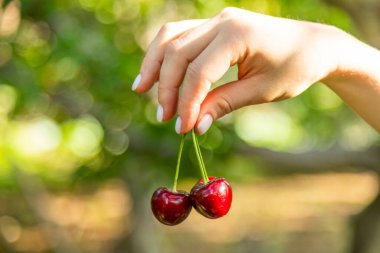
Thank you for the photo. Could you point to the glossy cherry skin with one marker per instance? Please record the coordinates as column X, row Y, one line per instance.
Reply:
column 212, row 200
column 170, row 208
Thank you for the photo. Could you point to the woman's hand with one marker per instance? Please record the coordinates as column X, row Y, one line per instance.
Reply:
column 277, row 58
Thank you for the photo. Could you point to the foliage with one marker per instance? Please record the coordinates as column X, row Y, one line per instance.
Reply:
column 67, row 109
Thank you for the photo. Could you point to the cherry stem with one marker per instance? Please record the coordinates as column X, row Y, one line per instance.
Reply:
column 199, row 157
column 178, row 163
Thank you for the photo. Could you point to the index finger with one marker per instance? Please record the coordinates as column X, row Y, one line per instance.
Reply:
column 151, row 65
column 206, row 69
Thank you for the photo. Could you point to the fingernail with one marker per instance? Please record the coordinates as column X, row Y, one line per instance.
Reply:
column 204, row 124
column 178, row 125
column 136, row 82
column 160, row 113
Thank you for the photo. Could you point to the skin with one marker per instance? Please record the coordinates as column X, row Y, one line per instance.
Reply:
column 277, row 58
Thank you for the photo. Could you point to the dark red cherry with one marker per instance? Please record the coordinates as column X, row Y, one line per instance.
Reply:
column 170, row 208
column 212, row 200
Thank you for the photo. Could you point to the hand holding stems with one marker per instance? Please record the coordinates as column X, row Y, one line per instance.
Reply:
column 277, row 58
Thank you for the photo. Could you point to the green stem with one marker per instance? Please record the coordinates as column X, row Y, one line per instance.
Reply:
column 199, row 157
column 178, row 163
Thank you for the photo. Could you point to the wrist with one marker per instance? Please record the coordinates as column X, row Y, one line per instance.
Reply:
column 354, row 62
column 356, row 78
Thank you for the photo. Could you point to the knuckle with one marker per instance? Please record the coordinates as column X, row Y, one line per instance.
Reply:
column 223, row 105
column 264, row 96
column 165, row 30
column 194, row 71
column 172, row 48
column 282, row 94
column 227, row 13
column 150, row 61
column 166, row 93
column 268, row 91
column 231, row 21
column 188, row 106
column 166, row 90
column 267, row 97
column 276, row 96
column 229, row 27
column 287, row 95
column 236, row 26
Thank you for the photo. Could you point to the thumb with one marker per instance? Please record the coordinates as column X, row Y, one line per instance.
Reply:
column 227, row 98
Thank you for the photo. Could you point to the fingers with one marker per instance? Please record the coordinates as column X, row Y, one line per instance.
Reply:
column 206, row 69
column 150, row 68
column 178, row 54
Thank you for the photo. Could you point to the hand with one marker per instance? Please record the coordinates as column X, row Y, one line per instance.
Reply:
column 277, row 58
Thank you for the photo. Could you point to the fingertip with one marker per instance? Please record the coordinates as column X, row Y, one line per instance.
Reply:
column 182, row 126
column 141, row 84
column 189, row 113
column 136, row 82
column 160, row 113
column 167, row 98
column 148, row 76
column 204, row 123
column 178, row 125
column 168, row 113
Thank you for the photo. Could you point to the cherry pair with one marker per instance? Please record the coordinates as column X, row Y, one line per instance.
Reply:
column 211, row 196
column 211, row 199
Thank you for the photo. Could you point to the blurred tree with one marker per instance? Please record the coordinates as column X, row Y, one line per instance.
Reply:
column 365, row 15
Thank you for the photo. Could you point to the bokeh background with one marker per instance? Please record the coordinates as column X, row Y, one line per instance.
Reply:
column 81, row 154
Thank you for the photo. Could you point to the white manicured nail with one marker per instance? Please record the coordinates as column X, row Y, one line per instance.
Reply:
column 178, row 125
column 204, row 124
column 136, row 82
column 160, row 113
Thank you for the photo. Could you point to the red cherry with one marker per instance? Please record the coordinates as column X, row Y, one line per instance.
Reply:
column 212, row 200
column 170, row 208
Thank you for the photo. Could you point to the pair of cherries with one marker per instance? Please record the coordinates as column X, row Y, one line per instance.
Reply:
column 212, row 200
column 211, row 196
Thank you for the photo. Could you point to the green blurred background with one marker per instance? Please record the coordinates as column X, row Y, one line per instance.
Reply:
column 81, row 154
